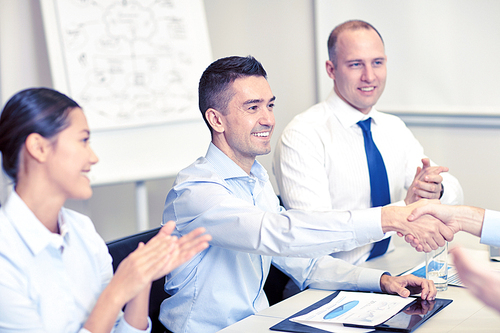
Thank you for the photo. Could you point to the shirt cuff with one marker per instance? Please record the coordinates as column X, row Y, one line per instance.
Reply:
column 367, row 225
column 490, row 233
column 369, row 279
column 400, row 203
column 123, row 326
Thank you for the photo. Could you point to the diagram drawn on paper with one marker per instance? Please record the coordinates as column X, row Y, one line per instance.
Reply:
column 133, row 63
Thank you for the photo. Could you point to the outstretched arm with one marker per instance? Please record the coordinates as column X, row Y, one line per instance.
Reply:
column 482, row 283
column 132, row 280
column 427, row 183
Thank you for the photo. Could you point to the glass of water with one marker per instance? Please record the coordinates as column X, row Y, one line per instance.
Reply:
column 436, row 267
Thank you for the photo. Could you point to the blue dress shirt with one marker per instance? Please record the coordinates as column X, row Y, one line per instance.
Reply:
column 224, row 283
column 50, row 282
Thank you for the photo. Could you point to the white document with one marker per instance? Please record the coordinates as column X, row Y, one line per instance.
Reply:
column 367, row 309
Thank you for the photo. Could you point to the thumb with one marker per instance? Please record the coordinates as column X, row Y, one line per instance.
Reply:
column 403, row 292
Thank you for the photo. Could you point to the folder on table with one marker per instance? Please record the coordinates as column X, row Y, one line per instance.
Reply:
column 406, row 322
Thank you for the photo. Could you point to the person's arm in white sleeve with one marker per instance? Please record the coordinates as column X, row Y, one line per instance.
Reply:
column 298, row 166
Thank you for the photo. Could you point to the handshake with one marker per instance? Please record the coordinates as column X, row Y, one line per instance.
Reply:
column 426, row 224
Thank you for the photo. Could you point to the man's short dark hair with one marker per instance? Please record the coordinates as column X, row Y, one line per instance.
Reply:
column 349, row 25
column 214, row 90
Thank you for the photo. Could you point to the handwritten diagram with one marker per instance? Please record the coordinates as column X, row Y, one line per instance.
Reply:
column 133, row 63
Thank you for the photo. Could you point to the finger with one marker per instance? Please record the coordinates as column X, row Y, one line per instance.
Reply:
column 192, row 235
column 191, row 244
column 424, row 194
column 427, row 186
column 398, row 288
column 434, row 178
column 446, row 232
column 418, row 247
column 435, row 170
column 418, row 212
column 409, row 238
column 428, row 289
column 196, row 244
column 168, row 227
column 432, row 291
column 426, row 162
column 418, row 171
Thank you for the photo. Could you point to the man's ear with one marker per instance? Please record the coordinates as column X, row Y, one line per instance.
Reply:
column 330, row 69
column 37, row 146
column 214, row 118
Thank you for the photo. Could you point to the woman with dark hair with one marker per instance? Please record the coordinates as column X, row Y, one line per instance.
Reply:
column 56, row 273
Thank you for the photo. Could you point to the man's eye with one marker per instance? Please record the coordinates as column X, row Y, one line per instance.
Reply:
column 271, row 105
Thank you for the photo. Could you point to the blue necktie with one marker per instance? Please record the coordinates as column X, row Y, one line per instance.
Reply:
column 379, row 183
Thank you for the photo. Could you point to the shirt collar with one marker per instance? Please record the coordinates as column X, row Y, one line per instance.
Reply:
column 227, row 168
column 346, row 114
column 35, row 235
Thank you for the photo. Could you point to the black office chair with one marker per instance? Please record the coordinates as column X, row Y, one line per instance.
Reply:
column 119, row 250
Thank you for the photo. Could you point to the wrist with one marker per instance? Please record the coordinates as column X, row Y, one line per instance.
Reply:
column 471, row 220
column 390, row 219
column 384, row 280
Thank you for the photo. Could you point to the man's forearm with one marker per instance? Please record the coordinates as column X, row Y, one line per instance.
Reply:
column 470, row 219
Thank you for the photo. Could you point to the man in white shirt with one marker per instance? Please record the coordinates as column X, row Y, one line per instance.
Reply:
column 320, row 162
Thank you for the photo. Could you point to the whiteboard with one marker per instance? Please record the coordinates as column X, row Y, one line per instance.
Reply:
column 442, row 55
column 134, row 67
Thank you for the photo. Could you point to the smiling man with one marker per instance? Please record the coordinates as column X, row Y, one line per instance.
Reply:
column 344, row 154
column 229, row 193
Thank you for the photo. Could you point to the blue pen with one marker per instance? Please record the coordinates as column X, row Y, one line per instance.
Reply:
column 341, row 309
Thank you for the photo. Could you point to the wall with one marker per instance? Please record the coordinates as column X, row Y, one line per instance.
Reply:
column 280, row 33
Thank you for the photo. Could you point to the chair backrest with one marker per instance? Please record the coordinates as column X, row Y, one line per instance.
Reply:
column 119, row 250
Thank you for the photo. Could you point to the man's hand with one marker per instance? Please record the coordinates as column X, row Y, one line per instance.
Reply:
column 481, row 282
column 407, row 285
column 427, row 183
column 427, row 233
column 457, row 218
column 445, row 213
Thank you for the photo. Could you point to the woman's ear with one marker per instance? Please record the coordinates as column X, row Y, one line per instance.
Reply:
column 214, row 118
column 37, row 146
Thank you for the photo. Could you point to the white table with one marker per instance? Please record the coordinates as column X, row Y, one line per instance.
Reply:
column 464, row 315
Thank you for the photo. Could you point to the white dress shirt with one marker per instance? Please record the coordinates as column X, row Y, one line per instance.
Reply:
column 50, row 282
column 224, row 283
column 320, row 162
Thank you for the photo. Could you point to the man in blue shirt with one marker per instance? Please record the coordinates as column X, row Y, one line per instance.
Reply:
column 229, row 193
